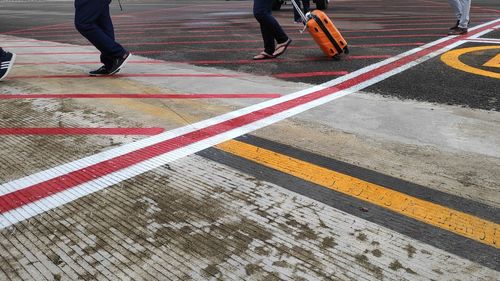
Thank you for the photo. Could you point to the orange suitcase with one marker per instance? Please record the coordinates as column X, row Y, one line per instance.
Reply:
column 324, row 32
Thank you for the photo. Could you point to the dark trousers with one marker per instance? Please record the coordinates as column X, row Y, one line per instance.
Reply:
column 306, row 4
column 270, row 28
column 93, row 21
column 2, row 52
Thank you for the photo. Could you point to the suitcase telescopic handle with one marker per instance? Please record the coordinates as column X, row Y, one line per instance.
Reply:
column 299, row 10
column 304, row 18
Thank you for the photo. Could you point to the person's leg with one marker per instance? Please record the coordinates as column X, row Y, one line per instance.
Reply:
column 464, row 14
column 105, row 23
column 270, row 28
column 262, row 14
column 87, row 15
column 296, row 15
column 456, row 8
column 306, row 4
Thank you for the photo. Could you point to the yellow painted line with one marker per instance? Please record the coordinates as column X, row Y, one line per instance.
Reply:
column 494, row 62
column 445, row 218
column 452, row 58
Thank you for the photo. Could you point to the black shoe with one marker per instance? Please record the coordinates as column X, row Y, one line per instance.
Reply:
column 119, row 63
column 456, row 25
column 6, row 63
column 458, row 31
column 101, row 71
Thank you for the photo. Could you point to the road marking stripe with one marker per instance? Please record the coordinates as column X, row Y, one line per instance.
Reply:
column 81, row 131
column 73, row 180
column 141, row 96
column 148, row 75
column 311, row 47
column 455, row 221
column 484, row 40
column 310, row 74
column 192, row 62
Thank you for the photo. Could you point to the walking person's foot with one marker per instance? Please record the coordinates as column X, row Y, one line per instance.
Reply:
column 119, row 63
column 281, row 48
column 6, row 63
column 458, row 31
column 101, row 71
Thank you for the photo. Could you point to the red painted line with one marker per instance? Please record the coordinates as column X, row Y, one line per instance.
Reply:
column 214, row 62
column 33, row 28
column 60, row 53
column 397, row 36
column 152, row 75
column 36, row 192
column 260, row 40
column 310, row 74
column 81, row 131
column 284, row 60
column 222, row 50
column 122, row 34
column 240, row 41
column 428, row 23
column 141, row 96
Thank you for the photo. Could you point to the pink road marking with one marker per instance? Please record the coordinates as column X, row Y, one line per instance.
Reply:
column 58, row 184
column 310, row 74
column 181, row 62
column 141, row 96
column 240, row 41
column 81, row 131
column 224, row 50
column 122, row 34
column 151, row 75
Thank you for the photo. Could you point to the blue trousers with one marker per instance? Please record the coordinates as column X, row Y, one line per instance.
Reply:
column 306, row 4
column 93, row 21
column 269, row 27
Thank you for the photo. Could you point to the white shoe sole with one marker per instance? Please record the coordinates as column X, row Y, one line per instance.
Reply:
column 12, row 60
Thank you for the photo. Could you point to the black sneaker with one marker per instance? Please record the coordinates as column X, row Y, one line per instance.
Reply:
column 119, row 63
column 100, row 71
column 6, row 63
column 458, row 31
column 456, row 25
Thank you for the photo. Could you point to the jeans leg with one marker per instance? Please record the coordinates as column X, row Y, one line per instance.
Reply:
column 91, row 19
column 296, row 15
column 270, row 28
column 464, row 13
column 306, row 4
column 105, row 23
column 455, row 7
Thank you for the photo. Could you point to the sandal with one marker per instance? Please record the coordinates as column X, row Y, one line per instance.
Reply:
column 263, row 56
column 281, row 48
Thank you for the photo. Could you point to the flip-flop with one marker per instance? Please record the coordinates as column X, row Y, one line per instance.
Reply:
column 281, row 48
column 263, row 56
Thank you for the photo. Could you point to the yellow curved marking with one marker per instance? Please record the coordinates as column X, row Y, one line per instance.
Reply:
column 452, row 58
column 494, row 62
column 466, row 225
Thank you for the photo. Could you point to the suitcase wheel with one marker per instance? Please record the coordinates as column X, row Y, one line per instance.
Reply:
column 346, row 50
column 336, row 57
